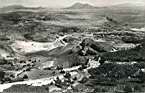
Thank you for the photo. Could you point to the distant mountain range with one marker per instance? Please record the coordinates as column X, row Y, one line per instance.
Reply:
column 80, row 6
column 129, row 6
column 124, row 5
column 17, row 7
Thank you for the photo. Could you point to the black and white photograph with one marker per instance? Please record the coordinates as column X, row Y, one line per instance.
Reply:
column 72, row 46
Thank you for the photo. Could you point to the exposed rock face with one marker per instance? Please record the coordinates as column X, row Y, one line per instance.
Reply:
column 78, row 54
column 6, row 50
column 96, row 46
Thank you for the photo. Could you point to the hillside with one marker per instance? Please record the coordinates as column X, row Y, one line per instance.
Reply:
column 134, row 54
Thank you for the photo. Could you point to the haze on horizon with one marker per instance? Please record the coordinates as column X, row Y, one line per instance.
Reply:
column 65, row 3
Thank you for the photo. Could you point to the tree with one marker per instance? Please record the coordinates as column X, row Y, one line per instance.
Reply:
column 25, row 76
column 67, row 75
column 2, row 74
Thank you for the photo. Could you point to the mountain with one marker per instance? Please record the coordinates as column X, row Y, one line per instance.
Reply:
column 17, row 7
column 129, row 6
column 81, row 6
column 12, row 8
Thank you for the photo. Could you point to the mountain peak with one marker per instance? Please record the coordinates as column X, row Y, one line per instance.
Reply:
column 82, row 6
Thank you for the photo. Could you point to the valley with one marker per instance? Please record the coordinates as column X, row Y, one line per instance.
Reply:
column 80, row 49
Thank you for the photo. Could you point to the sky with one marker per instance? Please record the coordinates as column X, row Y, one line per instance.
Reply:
column 65, row 3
